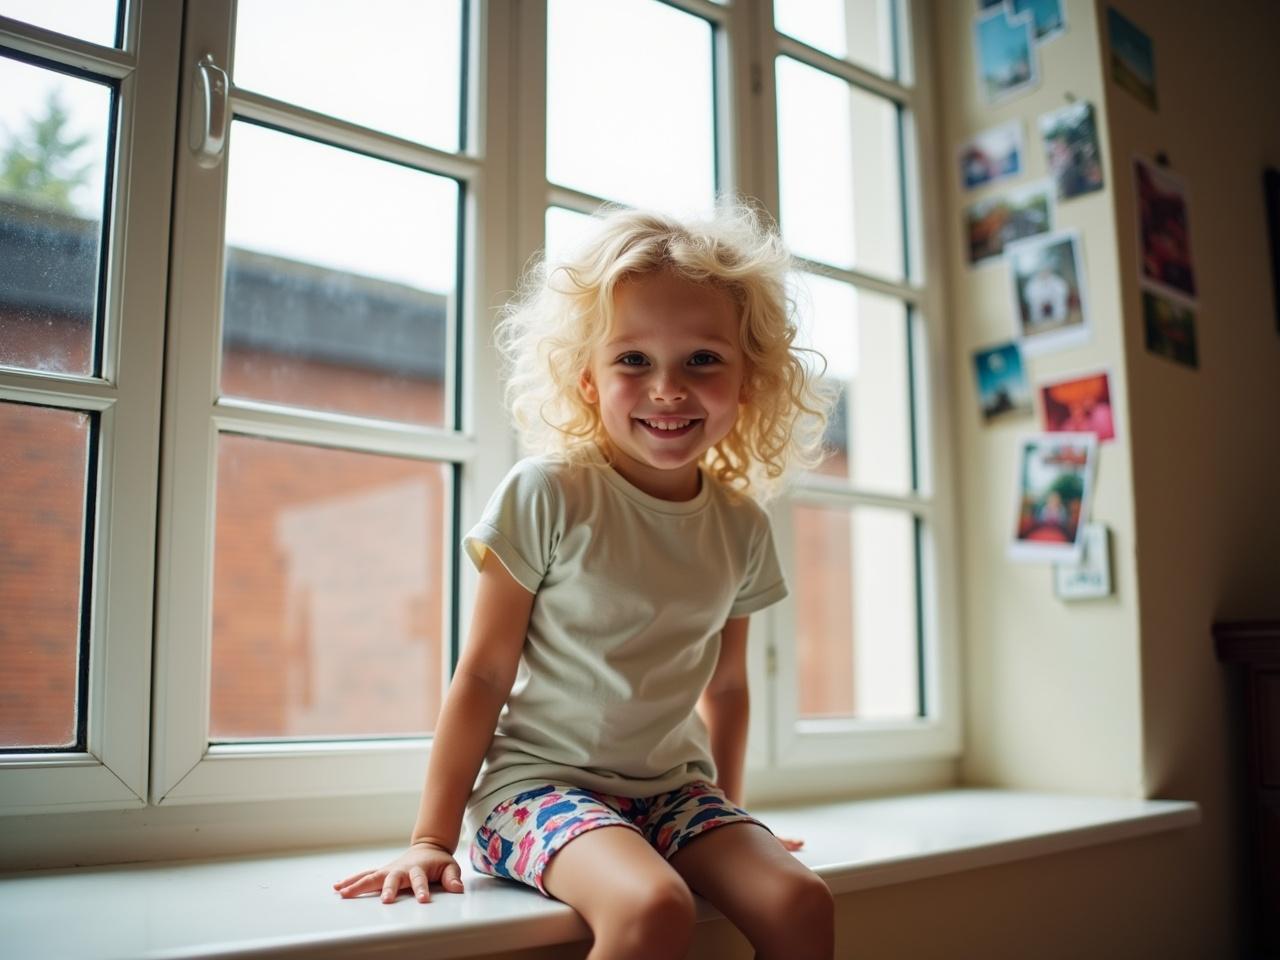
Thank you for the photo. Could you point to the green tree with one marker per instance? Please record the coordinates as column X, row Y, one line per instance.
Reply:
column 39, row 165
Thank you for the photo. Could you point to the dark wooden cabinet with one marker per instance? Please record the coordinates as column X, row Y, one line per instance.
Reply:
column 1254, row 646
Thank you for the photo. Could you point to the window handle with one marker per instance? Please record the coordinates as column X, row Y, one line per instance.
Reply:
column 208, row 132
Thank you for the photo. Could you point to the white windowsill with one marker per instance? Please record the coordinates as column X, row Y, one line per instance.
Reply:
column 284, row 906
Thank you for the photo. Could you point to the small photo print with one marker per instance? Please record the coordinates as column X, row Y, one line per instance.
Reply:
column 1133, row 60
column 992, row 224
column 1071, row 147
column 992, row 155
column 1003, row 388
column 1006, row 54
column 1164, row 230
column 1170, row 328
column 1080, row 405
column 1048, row 292
column 1047, row 17
column 1090, row 579
column 1055, row 481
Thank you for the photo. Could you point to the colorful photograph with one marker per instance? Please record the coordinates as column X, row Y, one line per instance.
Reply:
column 1133, row 59
column 1079, row 405
column 1071, row 148
column 1048, row 292
column 993, row 224
column 1003, row 388
column 1090, row 579
column 992, row 155
column 1170, row 328
column 1164, row 229
column 1047, row 17
column 1055, row 481
column 1005, row 53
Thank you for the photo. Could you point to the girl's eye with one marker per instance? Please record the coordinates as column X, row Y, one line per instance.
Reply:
column 703, row 359
column 632, row 359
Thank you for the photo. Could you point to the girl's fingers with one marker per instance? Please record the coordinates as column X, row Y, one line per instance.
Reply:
column 792, row 845
column 352, row 879
column 369, row 881
column 391, row 888
column 451, row 878
column 418, row 880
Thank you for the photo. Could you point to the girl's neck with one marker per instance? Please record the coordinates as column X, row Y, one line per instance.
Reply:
column 675, row 485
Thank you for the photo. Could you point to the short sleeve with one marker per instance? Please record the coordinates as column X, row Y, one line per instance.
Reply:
column 521, row 525
column 763, row 584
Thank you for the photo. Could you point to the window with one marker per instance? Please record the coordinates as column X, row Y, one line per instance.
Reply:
column 349, row 208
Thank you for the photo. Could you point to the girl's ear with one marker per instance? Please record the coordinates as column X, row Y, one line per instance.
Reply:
column 587, row 387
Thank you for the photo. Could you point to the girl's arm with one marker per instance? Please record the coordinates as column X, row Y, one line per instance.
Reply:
column 480, row 686
column 725, row 707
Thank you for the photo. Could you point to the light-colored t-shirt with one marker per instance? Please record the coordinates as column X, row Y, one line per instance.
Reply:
column 631, row 593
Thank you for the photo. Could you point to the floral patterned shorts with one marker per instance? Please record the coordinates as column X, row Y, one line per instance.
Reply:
column 523, row 833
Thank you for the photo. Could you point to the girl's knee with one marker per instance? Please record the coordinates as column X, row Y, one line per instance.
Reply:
column 657, row 920
column 804, row 902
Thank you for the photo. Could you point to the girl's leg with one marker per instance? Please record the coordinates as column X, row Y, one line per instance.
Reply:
column 782, row 906
column 635, row 904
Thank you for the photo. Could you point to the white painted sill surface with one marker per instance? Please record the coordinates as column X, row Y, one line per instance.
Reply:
column 283, row 906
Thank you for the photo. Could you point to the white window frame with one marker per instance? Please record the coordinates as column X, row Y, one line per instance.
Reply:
column 111, row 773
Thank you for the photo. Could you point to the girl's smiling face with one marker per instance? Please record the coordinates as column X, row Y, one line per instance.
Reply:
column 667, row 381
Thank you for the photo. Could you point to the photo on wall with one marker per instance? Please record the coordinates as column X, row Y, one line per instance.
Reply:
column 1054, row 493
column 1079, row 405
column 993, row 223
column 1048, row 18
column 1047, row 284
column 1164, row 229
column 1005, row 53
column 992, row 155
column 1003, row 388
column 1133, row 59
column 1170, row 327
column 1071, row 149
column 1090, row 578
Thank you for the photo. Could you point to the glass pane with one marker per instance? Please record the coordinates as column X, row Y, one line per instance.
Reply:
column 340, row 279
column 863, row 336
column 44, row 462
column 394, row 65
column 855, row 606
column 327, row 592
column 860, row 31
column 53, row 163
column 629, row 103
column 564, row 229
column 838, row 172
column 92, row 20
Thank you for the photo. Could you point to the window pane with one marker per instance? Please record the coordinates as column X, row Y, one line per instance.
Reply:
column 860, row 31
column 398, row 69
column 340, row 279
column 53, row 162
column 629, row 103
column 92, row 20
column 839, row 178
column 564, row 229
column 863, row 336
column 855, row 605
column 327, row 593
column 44, row 462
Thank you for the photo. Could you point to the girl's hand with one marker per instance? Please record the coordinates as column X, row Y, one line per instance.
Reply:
column 792, row 845
column 415, row 869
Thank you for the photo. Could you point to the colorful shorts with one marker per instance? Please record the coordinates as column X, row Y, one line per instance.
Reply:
column 522, row 834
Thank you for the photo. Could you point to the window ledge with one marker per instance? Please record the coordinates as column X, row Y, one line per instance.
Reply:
column 284, row 906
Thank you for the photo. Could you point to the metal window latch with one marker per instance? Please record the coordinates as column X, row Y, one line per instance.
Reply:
column 207, row 134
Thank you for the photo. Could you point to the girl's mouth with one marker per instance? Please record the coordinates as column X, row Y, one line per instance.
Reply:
column 668, row 427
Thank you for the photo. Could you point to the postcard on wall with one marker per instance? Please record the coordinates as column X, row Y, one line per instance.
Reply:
column 1055, row 491
column 1090, row 579
column 1164, row 229
column 1071, row 148
column 1048, row 292
column 1133, row 59
column 1048, row 19
column 1170, row 327
column 992, row 155
column 1006, row 54
column 997, row 221
column 1079, row 405
column 1003, row 388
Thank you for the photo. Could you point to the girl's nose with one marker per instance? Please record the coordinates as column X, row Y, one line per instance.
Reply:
column 667, row 389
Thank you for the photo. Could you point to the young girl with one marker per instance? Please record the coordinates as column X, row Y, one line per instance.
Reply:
column 655, row 371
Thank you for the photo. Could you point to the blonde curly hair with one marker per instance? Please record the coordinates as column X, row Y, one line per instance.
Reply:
column 564, row 310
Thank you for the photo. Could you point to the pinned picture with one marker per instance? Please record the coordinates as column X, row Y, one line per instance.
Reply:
column 1164, row 231
column 1006, row 56
column 1170, row 326
column 1048, row 292
column 1079, row 405
column 1055, row 489
column 992, row 155
column 1047, row 17
column 1003, row 389
column 1090, row 579
column 993, row 223
column 1133, row 60
column 1071, row 148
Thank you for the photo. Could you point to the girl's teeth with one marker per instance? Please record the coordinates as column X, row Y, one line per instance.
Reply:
column 670, row 425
